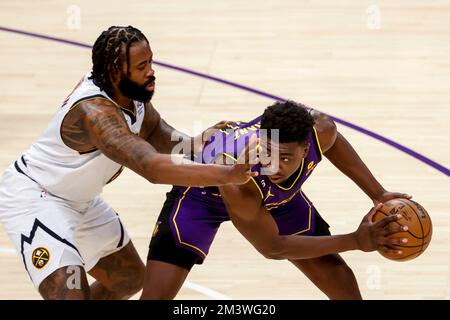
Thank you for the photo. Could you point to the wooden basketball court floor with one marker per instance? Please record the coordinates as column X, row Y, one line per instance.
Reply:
column 381, row 65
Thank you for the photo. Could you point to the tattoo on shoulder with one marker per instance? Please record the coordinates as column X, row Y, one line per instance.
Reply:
column 99, row 124
column 81, row 124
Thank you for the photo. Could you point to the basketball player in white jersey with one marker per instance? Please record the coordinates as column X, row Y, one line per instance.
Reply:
column 49, row 197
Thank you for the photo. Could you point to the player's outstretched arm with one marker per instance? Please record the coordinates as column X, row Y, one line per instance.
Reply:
column 344, row 157
column 260, row 229
column 106, row 128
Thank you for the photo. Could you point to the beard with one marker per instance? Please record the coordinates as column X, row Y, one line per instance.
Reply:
column 135, row 91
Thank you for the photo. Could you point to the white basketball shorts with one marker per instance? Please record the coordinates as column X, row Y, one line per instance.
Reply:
column 49, row 232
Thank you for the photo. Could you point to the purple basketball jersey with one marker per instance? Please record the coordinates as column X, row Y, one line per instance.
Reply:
column 233, row 140
column 198, row 212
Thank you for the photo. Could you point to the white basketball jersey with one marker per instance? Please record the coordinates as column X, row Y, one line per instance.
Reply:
column 64, row 171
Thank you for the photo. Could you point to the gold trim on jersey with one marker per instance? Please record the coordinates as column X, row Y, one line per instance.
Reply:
column 310, row 215
column 274, row 205
column 232, row 127
column 176, row 226
column 277, row 204
column 296, row 179
column 318, row 142
column 251, row 178
column 229, row 156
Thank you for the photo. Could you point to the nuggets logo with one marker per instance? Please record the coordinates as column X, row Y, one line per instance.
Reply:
column 40, row 257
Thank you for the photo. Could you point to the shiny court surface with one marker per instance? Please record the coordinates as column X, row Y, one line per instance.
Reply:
column 381, row 66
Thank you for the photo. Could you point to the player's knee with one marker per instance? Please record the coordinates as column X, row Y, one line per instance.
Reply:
column 350, row 290
column 344, row 274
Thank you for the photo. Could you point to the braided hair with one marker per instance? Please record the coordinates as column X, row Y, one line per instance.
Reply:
column 107, row 54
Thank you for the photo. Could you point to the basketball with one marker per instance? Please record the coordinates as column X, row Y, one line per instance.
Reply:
column 419, row 232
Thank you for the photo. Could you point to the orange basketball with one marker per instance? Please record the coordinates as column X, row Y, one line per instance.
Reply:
column 419, row 232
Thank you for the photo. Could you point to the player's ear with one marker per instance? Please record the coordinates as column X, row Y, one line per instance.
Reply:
column 114, row 70
column 114, row 74
column 306, row 149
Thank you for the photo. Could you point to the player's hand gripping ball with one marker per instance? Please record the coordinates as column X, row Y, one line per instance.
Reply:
column 419, row 232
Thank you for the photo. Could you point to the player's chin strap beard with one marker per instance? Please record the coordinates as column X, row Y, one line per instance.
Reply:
column 134, row 91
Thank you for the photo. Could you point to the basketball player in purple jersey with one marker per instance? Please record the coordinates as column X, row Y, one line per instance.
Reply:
column 271, row 211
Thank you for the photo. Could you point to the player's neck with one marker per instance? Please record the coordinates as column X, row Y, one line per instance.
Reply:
column 123, row 101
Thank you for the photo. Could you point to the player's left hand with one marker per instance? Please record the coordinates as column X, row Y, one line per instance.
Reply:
column 386, row 196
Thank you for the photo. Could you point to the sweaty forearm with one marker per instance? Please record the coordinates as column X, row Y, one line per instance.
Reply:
column 345, row 158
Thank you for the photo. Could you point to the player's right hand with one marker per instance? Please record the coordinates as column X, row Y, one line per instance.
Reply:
column 241, row 171
column 373, row 236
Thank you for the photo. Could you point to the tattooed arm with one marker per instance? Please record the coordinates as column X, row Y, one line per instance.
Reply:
column 98, row 123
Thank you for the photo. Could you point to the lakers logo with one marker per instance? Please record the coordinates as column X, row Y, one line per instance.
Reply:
column 40, row 257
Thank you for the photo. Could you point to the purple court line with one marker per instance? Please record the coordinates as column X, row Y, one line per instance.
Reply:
column 372, row 134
